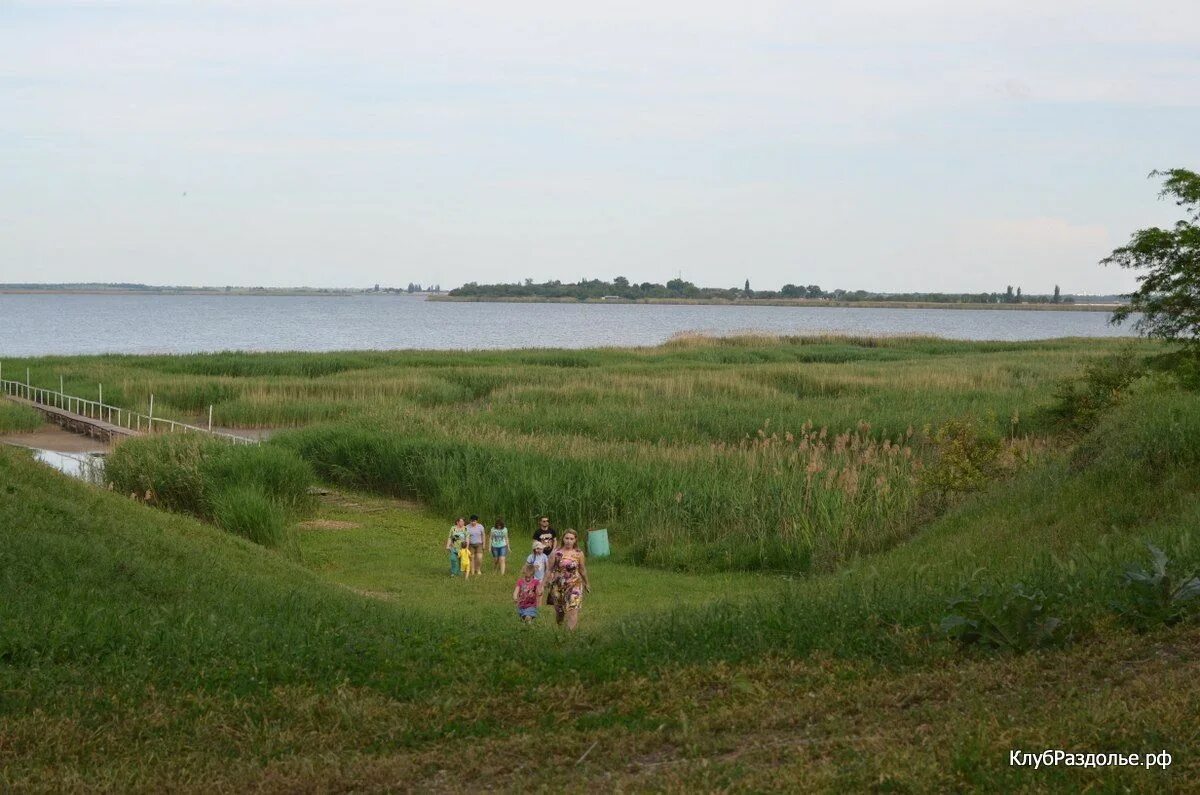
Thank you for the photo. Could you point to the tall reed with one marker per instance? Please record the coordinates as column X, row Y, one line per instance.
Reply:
column 791, row 501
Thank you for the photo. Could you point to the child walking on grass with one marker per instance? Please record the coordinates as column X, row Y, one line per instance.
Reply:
column 464, row 559
column 527, row 594
column 539, row 561
column 458, row 533
column 499, row 547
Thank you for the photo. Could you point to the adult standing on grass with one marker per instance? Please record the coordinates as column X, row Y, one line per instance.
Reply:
column 499, row 546
column 546, row 535
column 458, row 534
column 475, row 535
column 568, row 580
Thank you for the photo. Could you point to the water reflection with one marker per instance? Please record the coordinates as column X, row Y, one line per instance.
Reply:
column 35, row 325
column 88, row 467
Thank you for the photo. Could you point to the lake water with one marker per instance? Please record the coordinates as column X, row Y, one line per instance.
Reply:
column 88, row 467
column 36, row 325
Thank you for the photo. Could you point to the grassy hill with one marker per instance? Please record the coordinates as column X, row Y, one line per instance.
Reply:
column 141, row 650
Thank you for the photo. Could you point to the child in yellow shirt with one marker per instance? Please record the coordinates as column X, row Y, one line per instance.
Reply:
column 464, row 560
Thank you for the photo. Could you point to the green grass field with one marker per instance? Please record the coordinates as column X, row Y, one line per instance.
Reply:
column 143, row 650
column 394, row 551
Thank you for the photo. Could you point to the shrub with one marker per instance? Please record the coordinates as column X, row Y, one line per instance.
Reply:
column 1078, row 403
column 248, row 512
column 1014, row 619
column 1157, row 597
column 964, row 460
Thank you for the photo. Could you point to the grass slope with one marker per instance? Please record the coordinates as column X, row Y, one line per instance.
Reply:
column 145, row 651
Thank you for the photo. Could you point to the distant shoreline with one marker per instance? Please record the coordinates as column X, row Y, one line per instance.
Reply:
column 293, row 293
column 817, row 303
column 794, row 302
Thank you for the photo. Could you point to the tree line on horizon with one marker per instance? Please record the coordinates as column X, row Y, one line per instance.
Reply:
column 622, row 288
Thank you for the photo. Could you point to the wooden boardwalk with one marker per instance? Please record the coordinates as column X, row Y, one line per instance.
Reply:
column 77, row 423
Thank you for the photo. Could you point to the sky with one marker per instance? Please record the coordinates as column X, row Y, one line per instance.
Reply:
column 932, row 145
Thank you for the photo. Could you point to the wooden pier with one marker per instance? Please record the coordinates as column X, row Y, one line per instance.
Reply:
column 99, row 420
column 77, row 423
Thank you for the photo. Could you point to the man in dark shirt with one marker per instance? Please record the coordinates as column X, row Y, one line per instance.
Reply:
column 546, row 534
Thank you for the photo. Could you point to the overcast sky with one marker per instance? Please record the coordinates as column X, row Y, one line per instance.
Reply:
column 944, row 146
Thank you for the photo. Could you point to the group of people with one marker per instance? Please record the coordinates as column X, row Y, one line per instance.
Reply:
column 554, row 573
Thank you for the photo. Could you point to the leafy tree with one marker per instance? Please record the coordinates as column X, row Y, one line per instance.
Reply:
column 1167, row 301
column 1008, row 295
column 1057, row 299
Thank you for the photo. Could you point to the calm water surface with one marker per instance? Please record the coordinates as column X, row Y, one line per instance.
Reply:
column 36, row 325
column 88, row 467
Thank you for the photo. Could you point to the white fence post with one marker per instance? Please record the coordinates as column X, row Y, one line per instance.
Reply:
column 96, row 409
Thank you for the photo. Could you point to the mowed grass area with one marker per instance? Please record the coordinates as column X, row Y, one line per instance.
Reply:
column 745, row 453
column 146, row 651
column 395, row 551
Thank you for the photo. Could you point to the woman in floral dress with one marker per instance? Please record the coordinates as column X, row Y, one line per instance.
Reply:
column 568, row 580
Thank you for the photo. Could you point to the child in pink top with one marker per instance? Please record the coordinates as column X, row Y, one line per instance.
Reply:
column 527, row 594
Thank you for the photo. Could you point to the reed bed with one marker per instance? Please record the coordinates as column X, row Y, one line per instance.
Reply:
column 251, row 491
column 15, row 418
column 699, row 453
column 780, row 501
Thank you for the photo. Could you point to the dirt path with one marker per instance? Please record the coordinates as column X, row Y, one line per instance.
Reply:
column 52, row 437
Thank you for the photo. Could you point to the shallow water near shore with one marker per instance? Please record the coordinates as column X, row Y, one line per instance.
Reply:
column 46, row 324
column 88, row 467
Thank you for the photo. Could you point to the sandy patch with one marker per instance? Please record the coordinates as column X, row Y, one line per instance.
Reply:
column 328, row 524
column 52, row 437
column 260, row 434
column 346, row 502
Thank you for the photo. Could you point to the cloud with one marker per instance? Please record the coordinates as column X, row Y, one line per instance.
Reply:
column 732, row 128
